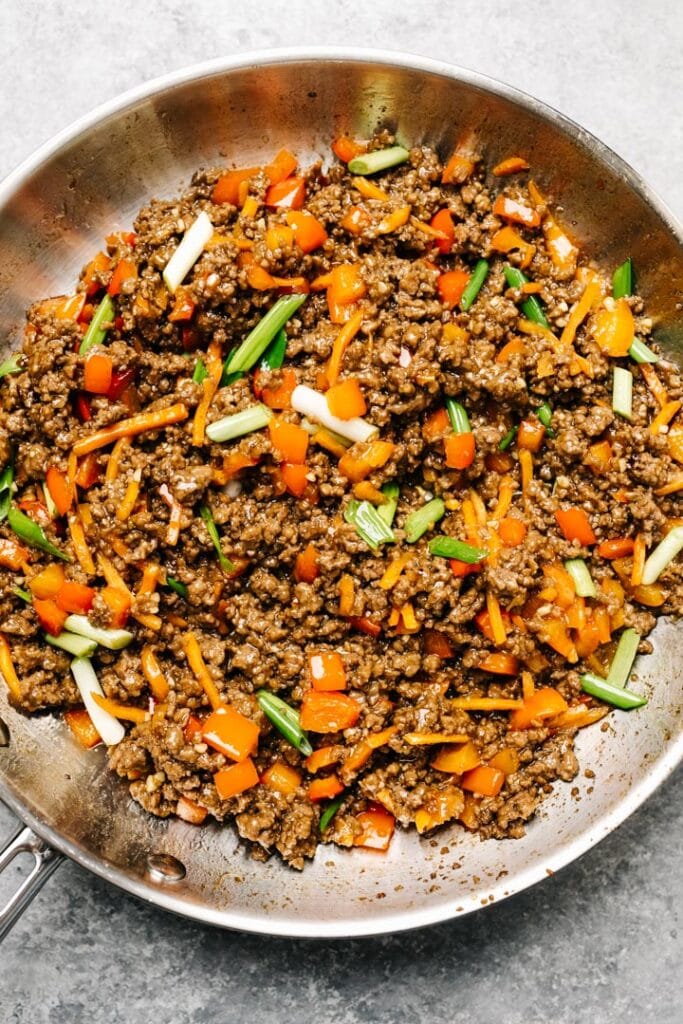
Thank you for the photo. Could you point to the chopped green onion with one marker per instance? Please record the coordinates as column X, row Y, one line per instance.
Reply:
column 274, row 356
column 6, row 484
column 10, row 366
column 622, row 392
column 179, row 588
column 330, row 811
column 531, row 307
column 615, row 695
column 212, row 530
column 583, row 582
column 479, row 275
column 313, row 428
column 258, row 339
column 506, row 441
column 422, row 519
column 663, row 554
column 449, row 547
column 458, row 417
column 369, row 525
column 622, row 280
column 52, row 509
column 200, row 371
column 641, row 353
column 545, row 415
column 32, row 534
column 229, row 378
column 379, row 160
column 285, row 719
column 624, row 656
column 109, row 728
column 113, row 639
column 387, row 510
column 240, row 423
column 95, row 333
column 188, row 252
column 23, row 594
column 313, row 404
column 79, row 646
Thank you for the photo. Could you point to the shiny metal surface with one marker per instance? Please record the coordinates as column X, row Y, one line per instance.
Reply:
column 54, row 211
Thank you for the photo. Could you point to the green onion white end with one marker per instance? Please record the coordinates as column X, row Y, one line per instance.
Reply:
column 313, row 404
column 188, row 252
column 583, row 583
column 79, row 646
column 622, row 393
column 113, row 639
column 109, row 728
column 663, row 554
column 378, row 160
column 240, row 423
column 624, row 656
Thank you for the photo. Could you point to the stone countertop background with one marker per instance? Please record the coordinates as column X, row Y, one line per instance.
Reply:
column 599, row 941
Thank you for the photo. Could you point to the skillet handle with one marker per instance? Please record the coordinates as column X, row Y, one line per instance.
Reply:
column 45, row 861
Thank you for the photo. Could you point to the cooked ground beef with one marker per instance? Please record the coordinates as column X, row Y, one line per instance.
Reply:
column 417, row 651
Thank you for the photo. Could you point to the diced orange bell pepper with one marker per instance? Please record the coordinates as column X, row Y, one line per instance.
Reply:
column 51, row 617
column 282, row 778
column 459, row 450
column 124, row 271
column 193, row 729
column 616, row 547
column 556, row 636
column 236, row 779
column 230, row 733
column 324, row 789
column 457, row 759
column 562, row 250
column 345, row 400
column 359, row 461
column 451, row 285
column 563, row 584
column 443, row 222
column 507, row 239
column 309, row 234
column 295, row 478
column 512, row 531
column 100, row 264
column 288, row 194
column 81, row 725
column 484, row 780
column 289, row 440
column 227, row 188
column 283, row 165
column 543, row 703
column 191, row 812
column 530, row 434
column 88, row 472
column 306, row 568
column 461, row 569
column 436, row 425
column 500, row 664
column 506, row 761
column 356, row 220
column 183, row 306
column 377, row 828
column 437, row 643
column 323, row 757
column 326, row 671
column 277, row 396
column 75, row 597
column 598, row 457
column 328, row 712
column 118, row 602
column 60, row 489
column 48, row 582
column 575, row 525
column 346, row 286
column 587, row 639
column 346, row 148
column 12, row 555
column 97, row 373
column 512, row 210
column 614, row 329
column 458, row 169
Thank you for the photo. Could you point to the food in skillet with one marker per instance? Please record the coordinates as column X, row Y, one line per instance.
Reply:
column 339, row 498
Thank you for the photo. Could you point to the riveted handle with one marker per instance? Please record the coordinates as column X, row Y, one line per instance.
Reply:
column 45, row 861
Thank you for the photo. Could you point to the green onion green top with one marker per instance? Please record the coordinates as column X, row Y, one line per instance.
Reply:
column 274, row 356
column 330, row 811
column 531, row 307
column 449, row 547
column 10, row 366
column 545, row 415
column 458, row 417
column 179, row 588
column 95, row 333
column 622, row 280
column 258, row 339
column 369, row 524
column 473, row 287
column 419, row 521
column 379, row 160
column 212, row 530
column 387, row 510
column 285, row 719
column 506, row 441
column 6, row 482
column 32, row 534
column 611, row 694
column 200, row 371
column 641, row 353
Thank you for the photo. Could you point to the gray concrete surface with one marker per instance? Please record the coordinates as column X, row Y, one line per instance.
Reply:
column 597, row 943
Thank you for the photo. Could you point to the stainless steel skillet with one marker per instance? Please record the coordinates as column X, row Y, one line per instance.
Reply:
column 90, row 180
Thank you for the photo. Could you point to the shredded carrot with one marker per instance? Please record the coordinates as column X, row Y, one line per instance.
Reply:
column 346, row 595
column 150, row 578
column 485, row 703
column 393, row 221
column 71, row 470
column 674, row 485
column 428, row 229
column 394, row 570
column 428, row 739
column 529, row 327
column 330, row 443
column 407, row 622
column 153, row 674
column 527, row 685
column 175, row 519
column 8, row 670
column 369, row 189
column 511, row 165
column 113, row 462
column 130, row 497
column 115, row 579
column 139, row 424
column 506, row 490
column 576, row 717
column 655, row 385
column 639, row 551
column 378, row 739
column 514, row 347
column 124, row 711
column 198, row 665
column 663, row 417
column 85, row 559
column 496, row 618
column 526, row 463
column 469, row 514
column 346, row 335
column 591, row 297
column 214, row 367
column 365, row 491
